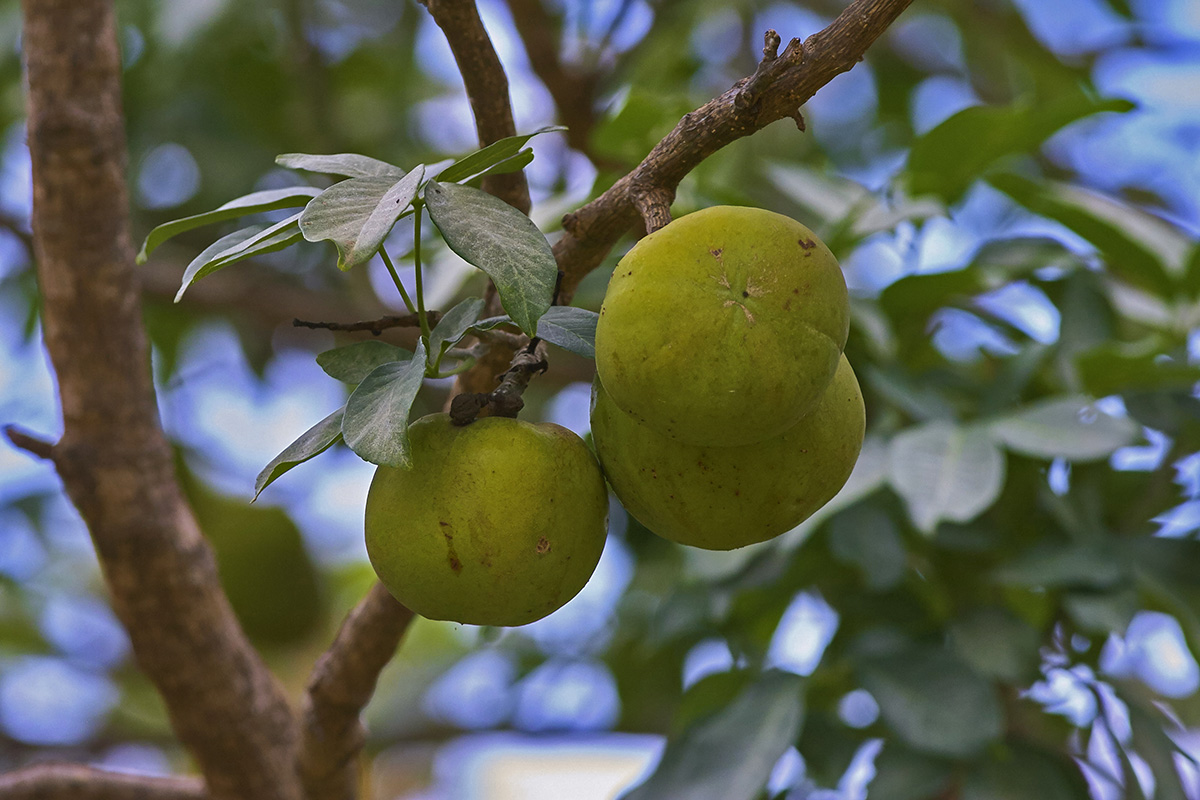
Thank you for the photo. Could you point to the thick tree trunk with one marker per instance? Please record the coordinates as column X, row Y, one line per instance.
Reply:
column 113, row 458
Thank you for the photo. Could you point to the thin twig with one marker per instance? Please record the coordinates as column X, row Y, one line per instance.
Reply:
column 374, row 326
column 29, row 443
column 74, row 781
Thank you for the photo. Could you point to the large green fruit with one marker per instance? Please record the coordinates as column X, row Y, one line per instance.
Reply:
column 720, row 498
column 498, row 522
column 724, row 327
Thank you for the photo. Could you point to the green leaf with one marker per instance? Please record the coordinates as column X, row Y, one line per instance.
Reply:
column 867, row 537
column 1050, row 566
column 1123, row 245
column 313, row 442
column 1064, row 427
column 571, row 328
column 949, row 158
column 518, row 162
column 352, row 165
column 901, row 774
column 454, row 324
column 997, row 644
column 376, row 422
column 945, row 472
column 357, row 214
column 729, row 755
column 238, row 246
column 354, row 362
column 1024, row 773
column 271, row 200
column 934, row 702
column 1151, row 741
column 1114, row 368
column 495, row 153
column 501, row 241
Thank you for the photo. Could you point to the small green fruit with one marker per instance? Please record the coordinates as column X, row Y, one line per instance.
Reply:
column 499, row 522
column 720, row 498
column 724, row 327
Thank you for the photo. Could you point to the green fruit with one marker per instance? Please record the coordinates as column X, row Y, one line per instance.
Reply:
column 724, row 327
column 499, row 522
column 719, row 498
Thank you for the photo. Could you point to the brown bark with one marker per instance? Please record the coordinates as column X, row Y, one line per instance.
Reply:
column 114, row 460
column 75, row 782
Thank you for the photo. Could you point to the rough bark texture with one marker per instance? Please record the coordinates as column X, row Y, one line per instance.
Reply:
column 114, row 461
column 75, row 782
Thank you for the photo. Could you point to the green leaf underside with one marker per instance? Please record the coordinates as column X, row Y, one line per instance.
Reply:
column 945, row 472
column 354, row 362
column 569, row 327
column 376, row 422
column 313, row 442
column 950, row 157
column 504, row 243
column 248, row 242
column 935, row 703
column 454, row 324
column 729, row 755
column 254, row 203
column 357, row 214
column 1125, row 255
column 1064, row 427
column 351, row 165
column 479, row 161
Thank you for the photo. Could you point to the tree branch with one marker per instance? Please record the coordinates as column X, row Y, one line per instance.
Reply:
column 574, row 91
column 77, row 782
column 342, row 682
column 486, row 85
column 114, row 461
column 776, row 90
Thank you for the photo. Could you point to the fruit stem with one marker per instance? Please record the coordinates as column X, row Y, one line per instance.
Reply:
column 387, row 262
column 417, row 209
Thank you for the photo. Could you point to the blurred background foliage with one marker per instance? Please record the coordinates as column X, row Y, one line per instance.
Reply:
column 1003, row 603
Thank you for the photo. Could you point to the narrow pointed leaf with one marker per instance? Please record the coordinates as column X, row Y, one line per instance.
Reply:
column 376, row 422
column 357, row 214
column 354, row 362
column 520, row 161
column 261, row 239
column 501, row 241
column 313, row 442
column 454, row 324
column 292, row 197
column 729, row 755
column 502, row 150
column 1064, row 427
column 352, row 165
column 945, row 472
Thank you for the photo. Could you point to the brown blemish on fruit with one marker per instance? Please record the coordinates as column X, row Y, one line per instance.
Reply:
column 451, row 556
column 543, row 546
column 807, row 244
